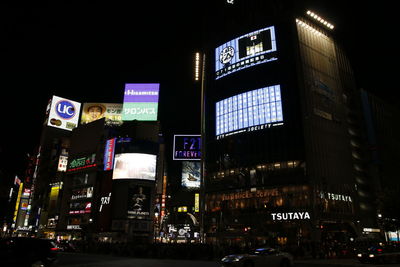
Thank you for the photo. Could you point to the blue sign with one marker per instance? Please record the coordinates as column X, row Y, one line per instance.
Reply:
column 187, row 147
column 65, row 109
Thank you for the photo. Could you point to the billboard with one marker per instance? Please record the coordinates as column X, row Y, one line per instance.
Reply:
column 140, row 101
column 139, row 202
column 64, row 113
column 249, row 111
column 245, row 51
column 187, row 147
column 112, row 112
column 191, row 174
column 135, row 166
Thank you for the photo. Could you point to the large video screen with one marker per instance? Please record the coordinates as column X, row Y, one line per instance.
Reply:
column 134, row 166
column 245, row 51
column 249, row 111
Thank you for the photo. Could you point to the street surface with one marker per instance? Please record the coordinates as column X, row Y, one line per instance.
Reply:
column 91, row 260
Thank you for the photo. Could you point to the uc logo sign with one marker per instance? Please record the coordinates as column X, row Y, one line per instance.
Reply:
column 65, row 109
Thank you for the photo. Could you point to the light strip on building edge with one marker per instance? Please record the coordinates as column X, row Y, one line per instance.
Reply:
column 308, row 27
column 320, row 20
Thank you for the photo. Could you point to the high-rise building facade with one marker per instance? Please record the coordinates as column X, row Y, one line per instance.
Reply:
column 284, row 158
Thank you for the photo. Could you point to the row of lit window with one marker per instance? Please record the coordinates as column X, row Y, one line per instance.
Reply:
column 261, row 167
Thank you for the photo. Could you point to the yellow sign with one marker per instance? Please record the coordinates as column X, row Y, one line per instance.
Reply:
column 21, row 185
column 197, row 202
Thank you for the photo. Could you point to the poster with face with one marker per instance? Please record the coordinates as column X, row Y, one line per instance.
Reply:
column 95, row 111
column 139, row 202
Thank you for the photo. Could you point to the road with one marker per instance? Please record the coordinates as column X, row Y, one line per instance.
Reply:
column 92, row 260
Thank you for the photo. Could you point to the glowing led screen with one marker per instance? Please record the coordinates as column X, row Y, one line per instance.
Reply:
column 134, row 166
column 249, row 111
column 245, row 51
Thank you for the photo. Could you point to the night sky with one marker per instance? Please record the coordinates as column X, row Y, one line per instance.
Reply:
column 87, row 52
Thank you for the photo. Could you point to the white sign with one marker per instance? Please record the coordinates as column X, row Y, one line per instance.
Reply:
column 105, row 201
column 74, row 226
column 64, row 113
column 284, row 216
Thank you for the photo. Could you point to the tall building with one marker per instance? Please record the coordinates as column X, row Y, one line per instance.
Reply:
column 383, row 134
column 284, row 146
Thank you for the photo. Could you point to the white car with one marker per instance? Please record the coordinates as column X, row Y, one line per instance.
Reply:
column 259, row 257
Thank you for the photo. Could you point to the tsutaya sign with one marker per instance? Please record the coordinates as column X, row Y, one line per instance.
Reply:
column 285, row 216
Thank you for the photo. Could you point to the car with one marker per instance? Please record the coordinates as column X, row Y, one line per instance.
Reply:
column 379, row 254
column 25, row 251
column 66, row 246
column 259, row 257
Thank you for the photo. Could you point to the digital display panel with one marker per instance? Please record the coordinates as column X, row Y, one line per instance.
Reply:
column 191, row 174
column 140, row 102
column 135, row 166
column 249, row 111
column 245, row 51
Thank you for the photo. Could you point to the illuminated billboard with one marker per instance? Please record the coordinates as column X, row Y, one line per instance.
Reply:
column 245, row 51
column 139, row 202
column 249, row 111
column 64, row 113
column 135, row 166
column 191, row 174
column 112, row 113
column 187, row 147
column 140, row 102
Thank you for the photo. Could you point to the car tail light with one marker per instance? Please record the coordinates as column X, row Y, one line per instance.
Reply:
column 54, row 249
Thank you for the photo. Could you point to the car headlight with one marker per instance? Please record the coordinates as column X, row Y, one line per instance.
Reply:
column 231, row 258
column 371, row 255
column 359, row 255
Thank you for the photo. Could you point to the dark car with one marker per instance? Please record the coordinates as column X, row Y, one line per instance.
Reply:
column 259, row 257
column 24, row 251
column 379, row 254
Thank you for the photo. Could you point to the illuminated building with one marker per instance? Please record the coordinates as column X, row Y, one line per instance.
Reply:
column 281, row 113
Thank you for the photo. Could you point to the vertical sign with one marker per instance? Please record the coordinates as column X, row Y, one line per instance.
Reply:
column 21, row 185
column 109, row 154
column 196, row 202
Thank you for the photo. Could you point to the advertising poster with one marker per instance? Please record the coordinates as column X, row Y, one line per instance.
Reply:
column 135, row 166
column 140, row 101
column 64, row 113
column 112, row 112
column 191, row 174
column 139, row 202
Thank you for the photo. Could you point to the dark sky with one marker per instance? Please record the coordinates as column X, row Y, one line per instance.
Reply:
column 87, row 51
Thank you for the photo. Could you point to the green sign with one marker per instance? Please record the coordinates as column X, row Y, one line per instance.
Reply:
column 82, row 163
